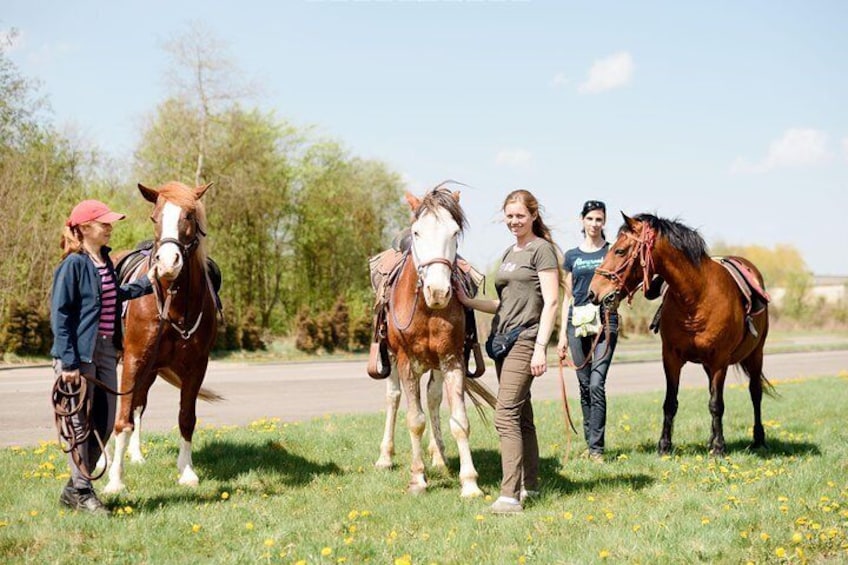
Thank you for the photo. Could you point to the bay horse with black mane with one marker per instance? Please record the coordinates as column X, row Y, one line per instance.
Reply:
column 170, row 332
column 714, row 312
column 426, row 332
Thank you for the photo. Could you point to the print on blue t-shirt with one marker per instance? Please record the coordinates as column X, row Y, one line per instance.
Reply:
column 582, row 267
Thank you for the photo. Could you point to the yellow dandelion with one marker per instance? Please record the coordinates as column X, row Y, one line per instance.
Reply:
column 567, row 515
column 326, row 552
column 341, row 560
column 764, row 536
column 744, row 534
column 195, row 528
column 780, row 552
column 3, row 523
column 603, row 554
column 225, row 495
column 797, row 537
column 609, row 515
column 405, row 559
column 637, row 527
column 128, row 509
column 352, row 528
column 348, row 540
column 479, row 517
column 705, row 521
column 33, row 513
column 269, row 542
column 300, row 562
column 522, row 559
column 365, row 513
column 353, row 515
column 248, row 526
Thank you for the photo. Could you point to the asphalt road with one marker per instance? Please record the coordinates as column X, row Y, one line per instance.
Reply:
column 301, row 391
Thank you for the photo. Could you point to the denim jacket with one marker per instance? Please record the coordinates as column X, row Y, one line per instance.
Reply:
column 75, row 307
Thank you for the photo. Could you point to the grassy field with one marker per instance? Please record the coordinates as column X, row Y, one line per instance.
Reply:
column 308, row 493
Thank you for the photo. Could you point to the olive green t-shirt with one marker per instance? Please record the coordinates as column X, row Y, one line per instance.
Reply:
column 519, row 290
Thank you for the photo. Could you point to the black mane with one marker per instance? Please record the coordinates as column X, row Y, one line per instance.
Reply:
column 681, row 237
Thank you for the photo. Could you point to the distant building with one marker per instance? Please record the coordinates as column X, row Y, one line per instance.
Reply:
column 831, row 289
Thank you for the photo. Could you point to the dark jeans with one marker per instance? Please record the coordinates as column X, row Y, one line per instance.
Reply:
column 104, row 369
column 592, row 379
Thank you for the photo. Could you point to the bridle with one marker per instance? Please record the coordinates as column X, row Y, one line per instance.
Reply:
column 163, row 302
column 420, row 271
column 643, row 250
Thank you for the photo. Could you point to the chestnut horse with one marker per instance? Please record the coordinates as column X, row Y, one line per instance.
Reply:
column 172, row 331
column 705, row 318
column 426, row 332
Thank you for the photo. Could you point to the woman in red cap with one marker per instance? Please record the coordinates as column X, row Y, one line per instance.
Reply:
column 85, row 319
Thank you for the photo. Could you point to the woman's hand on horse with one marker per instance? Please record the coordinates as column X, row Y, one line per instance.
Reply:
column 462, row 296
column 539, row 362
column 71, row 377
column 151, row 273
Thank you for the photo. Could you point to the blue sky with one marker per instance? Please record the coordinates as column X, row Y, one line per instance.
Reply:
column 730, row 116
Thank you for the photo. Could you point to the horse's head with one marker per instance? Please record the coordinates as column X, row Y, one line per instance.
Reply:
column 628, row 263
column 180, row 222
column 438, row 222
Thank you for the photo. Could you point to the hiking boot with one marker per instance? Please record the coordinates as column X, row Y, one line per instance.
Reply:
column 506, row 506
column 83, row 499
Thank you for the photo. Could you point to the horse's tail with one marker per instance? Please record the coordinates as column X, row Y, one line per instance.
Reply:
column 767, row 386
column 174, row 380
column 480, row 394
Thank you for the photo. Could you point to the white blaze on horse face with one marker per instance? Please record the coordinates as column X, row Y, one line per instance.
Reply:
column 169, row 259
column 434, row 237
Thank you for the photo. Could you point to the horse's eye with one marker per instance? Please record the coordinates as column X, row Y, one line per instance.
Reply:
column 415, row 234
column 152, row 219
column 620, row 252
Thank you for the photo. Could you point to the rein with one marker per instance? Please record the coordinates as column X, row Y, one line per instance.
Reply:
column 419, row 270
column 163, row 305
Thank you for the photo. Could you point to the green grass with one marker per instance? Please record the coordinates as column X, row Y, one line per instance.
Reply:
column 307, row 492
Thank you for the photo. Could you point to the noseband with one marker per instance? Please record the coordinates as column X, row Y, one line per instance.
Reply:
column 644, row 252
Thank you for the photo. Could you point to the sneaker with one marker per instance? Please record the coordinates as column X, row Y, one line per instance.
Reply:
column 596, row 457
column 506, row 506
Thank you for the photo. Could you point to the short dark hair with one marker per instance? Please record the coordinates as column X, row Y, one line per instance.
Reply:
column 590, row 205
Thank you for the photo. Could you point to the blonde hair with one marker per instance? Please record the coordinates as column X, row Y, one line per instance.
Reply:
column 540, row 229
column 71, row 240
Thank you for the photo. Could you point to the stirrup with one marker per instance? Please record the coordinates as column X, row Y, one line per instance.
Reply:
column 479, row 362
column 379, row 365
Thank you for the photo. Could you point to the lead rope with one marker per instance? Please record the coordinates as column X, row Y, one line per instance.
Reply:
column 566, row 412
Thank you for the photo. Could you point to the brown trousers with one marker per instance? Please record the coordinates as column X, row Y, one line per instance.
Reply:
column 514, row 421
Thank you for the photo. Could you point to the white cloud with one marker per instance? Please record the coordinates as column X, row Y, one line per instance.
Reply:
column 797, row 147
column 611, row 72
column 518, row 158
column 559, row 79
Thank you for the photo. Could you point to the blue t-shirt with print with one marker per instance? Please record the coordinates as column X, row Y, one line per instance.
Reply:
column 582, row 267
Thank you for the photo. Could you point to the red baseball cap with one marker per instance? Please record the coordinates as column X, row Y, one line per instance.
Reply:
column 90, row 211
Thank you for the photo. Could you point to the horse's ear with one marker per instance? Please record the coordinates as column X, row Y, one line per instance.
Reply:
column 201, row 190
column 455, row 195
column 414, row 201
column 630, row 222
column 149, row 194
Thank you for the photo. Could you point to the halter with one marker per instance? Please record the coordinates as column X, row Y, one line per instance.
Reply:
column 644, row 251
column 163, row 306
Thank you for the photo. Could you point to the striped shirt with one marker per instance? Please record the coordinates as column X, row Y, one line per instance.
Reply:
column 109, row 301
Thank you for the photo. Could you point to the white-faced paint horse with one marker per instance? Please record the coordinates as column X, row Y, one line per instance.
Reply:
column 172, row 331
column 426, row 332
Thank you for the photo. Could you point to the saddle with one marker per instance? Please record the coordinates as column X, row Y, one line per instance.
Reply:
column 754, row 296
column 126, row 267
column 385, row 268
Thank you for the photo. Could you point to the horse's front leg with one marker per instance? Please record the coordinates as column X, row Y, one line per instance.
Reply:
column 416, row 422
column 717, row 377
column 387, row 446
column 672, row 367
column 188, row 420
column 461, row 429
column 124, row 423
column 434, row 405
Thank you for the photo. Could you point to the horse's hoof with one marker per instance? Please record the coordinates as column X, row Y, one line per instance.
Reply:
column 664, row 449
column 471, row 491
column 717, row 452
column 189, row 478
column 416, row 489
column 114, row 487
column 138, row 460
column 384, row 463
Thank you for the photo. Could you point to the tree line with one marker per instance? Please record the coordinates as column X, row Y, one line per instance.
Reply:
column 293, row 216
